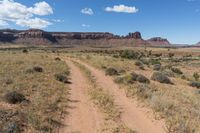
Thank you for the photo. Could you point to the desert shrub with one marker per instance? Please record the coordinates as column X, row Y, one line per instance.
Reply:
column 128, row 54
column 111, row 71
column 195, row 84
column 57, row 59
column 134, row 76
column 176, row 70
column 8, row 81
column 169, row 66
column 62, row 77
column 121, row 71
column 171, row 55
column 25, row 51
column 161, row 103
column 66, row 72
column 154, row 61
column 138, row 63
column 104, row 67
column 149, row 53
column 138, row 77
column 38, row 69
column 11, row 127
column 183, row 77
column 142, row 79
column 35, row 69
column 196, row 76
column 158, row 55
column 145, row 61
column 157, row 67
column 160, row 77
column 144, row 91
column 141, row 67
column 168, row 73
column 115, row 56
column 125, row 79
column 14, row 97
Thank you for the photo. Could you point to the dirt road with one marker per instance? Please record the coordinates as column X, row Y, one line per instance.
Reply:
column 83, row 116
column 134, row 117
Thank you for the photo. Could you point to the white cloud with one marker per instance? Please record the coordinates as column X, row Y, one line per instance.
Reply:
column 33, row 23
column 41, row 8
column 87, row 11
column 11, row 11
column 85, row 25
column 122, row 9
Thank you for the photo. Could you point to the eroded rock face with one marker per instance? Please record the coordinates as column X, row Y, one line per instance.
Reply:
column 32, row 33
column 40, row 37
column 82, row 35
column 136, row 35
column 158, row 41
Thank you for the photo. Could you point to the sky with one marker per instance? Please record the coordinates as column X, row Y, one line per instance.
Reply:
column 176, row 20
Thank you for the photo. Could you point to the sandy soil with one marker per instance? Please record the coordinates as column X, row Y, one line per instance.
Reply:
column 83, row 116
column 134, row 117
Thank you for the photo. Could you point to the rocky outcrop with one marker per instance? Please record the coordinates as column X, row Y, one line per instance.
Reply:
column 40, row 37
column 136, row 35
column 158, row 41
column 82, row 35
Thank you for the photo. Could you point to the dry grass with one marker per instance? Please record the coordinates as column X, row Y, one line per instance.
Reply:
column 179, row 104
column 47, row 98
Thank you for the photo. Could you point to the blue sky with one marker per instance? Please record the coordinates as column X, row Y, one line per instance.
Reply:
column 177, row 20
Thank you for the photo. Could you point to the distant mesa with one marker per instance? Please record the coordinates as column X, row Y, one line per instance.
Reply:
column 40, row 37
column 158, row 41
column 198, row 44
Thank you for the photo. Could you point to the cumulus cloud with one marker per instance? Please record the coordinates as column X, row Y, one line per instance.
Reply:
column 122, row 9
column 22, row 15
column 41, row 8
column 87, row 11
column 33, row 23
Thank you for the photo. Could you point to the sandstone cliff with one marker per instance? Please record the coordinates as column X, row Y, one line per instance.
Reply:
column 40, row 37
column 158, row 41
